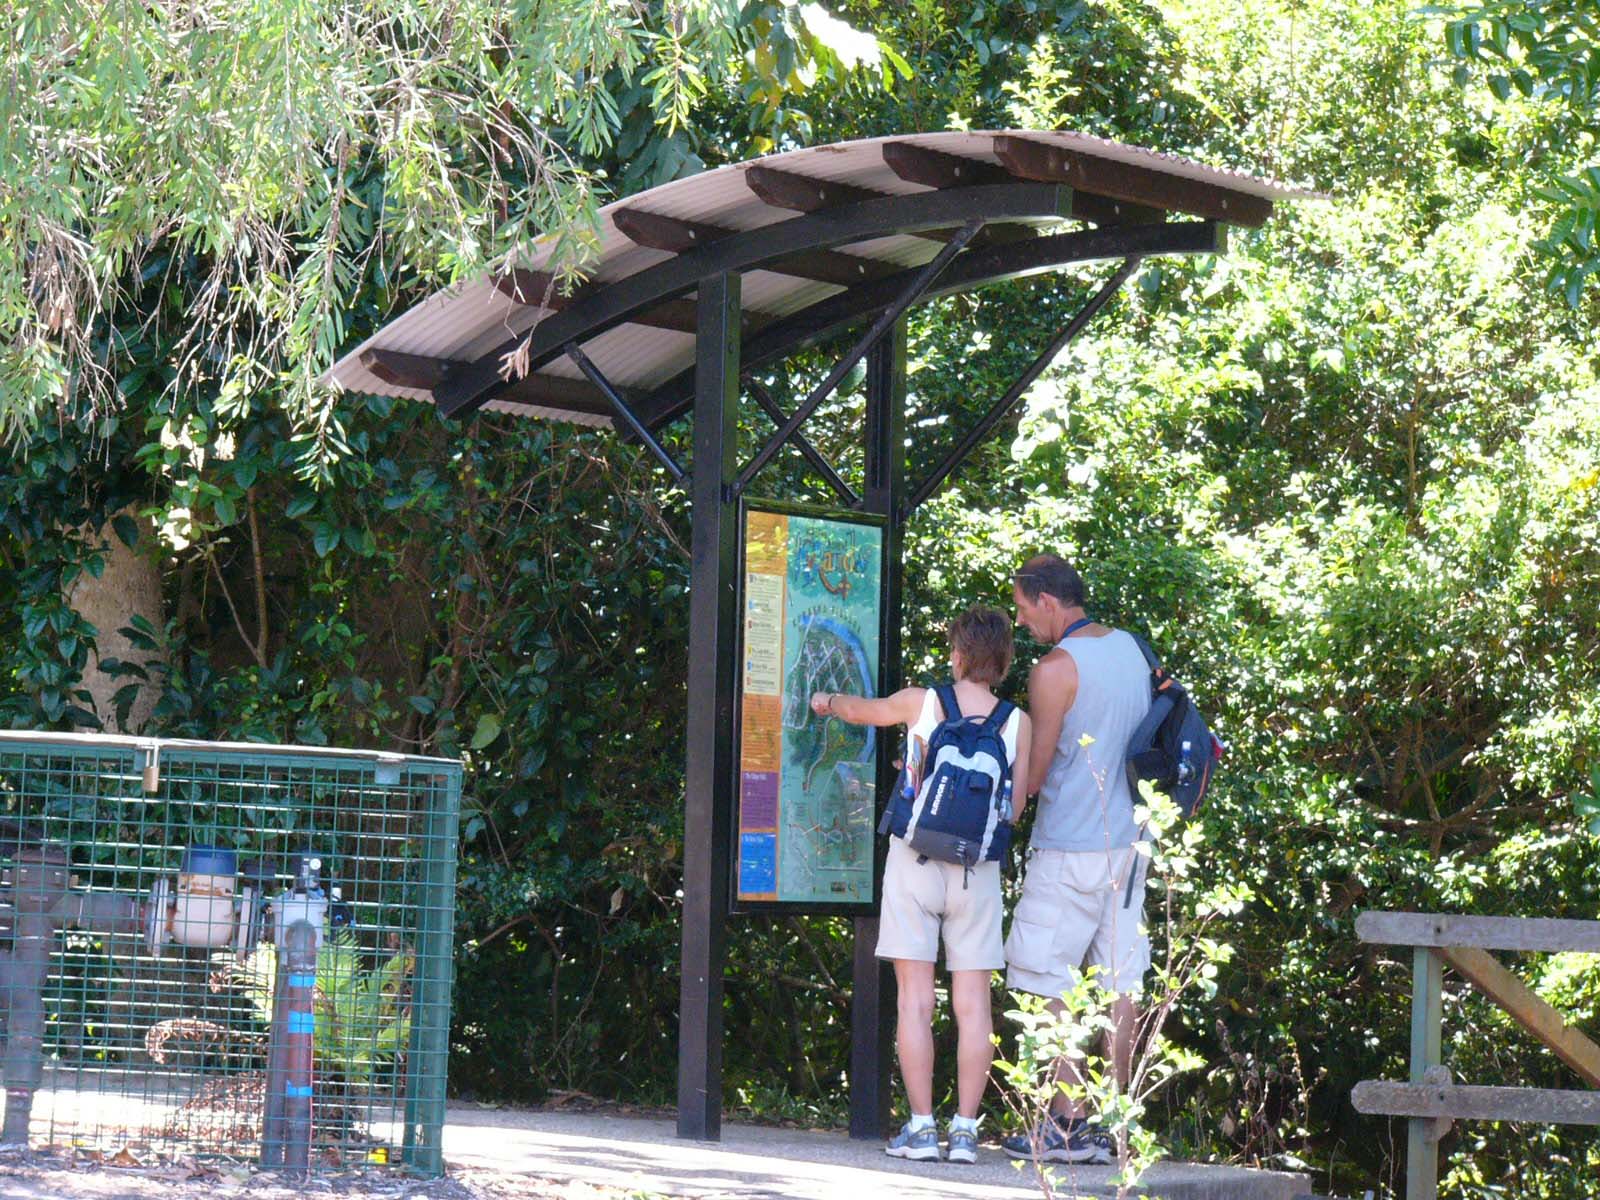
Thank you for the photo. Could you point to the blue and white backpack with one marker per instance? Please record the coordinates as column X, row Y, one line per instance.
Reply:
column 961, row 813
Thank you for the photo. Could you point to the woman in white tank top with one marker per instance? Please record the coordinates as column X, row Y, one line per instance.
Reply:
column 926, row 901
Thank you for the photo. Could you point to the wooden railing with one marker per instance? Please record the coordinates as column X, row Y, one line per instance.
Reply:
column 1431, row 1099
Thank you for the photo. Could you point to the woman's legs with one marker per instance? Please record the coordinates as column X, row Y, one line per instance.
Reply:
column 914, row 1031
column 969, row 996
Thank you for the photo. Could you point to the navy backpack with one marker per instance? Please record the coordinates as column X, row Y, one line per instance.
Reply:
column 1172, row 747
column 962, row 812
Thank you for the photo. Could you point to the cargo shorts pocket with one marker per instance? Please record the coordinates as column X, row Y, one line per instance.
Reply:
column 1030, row 947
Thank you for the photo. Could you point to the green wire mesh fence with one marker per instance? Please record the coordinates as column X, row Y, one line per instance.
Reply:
column 218, row 949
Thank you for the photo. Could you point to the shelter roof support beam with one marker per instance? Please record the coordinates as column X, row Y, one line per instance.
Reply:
column 923, row 280
column 533, row 391
column 989, row 265
column 710, row 766
column 1014, row 393
column 537, row 289
column 678, row 236
column 407, row 370
column 936, row 169
column 620, row 406
column 1026, row 158
column 803, row 444
column 469, row 389
column 803, row 193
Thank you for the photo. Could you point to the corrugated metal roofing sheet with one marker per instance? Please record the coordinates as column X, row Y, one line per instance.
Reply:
column 468, row 322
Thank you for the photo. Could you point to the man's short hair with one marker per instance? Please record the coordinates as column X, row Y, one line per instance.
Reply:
column 1050, row 575
column 982, row 636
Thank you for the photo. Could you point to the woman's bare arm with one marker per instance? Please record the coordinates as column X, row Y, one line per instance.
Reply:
column 1020, row 768
column 902, row 708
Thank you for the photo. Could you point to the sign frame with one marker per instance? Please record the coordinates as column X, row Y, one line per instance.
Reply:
column 870, row 905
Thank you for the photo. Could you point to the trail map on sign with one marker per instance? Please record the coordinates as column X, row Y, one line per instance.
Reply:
column 806, row 792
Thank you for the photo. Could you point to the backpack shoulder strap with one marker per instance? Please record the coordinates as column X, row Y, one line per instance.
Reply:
column 1000, row 715
column 948, row 702
column 1160, row 678
column 1144, row 649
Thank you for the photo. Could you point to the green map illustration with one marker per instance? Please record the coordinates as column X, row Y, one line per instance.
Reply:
column 826, row 789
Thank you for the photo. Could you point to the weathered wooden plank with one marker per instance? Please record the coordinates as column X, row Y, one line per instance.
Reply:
column 1486, row 933
column 537, row 289
column 1427, row 1049
column 1545, row 1106
column 935, row 168
column 407, row 370
column 1527, row 1008
column 678, row 236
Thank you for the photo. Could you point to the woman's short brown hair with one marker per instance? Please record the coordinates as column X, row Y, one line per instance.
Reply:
column 982, row 636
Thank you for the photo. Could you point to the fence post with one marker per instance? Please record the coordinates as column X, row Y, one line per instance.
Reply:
column 1422, row 1139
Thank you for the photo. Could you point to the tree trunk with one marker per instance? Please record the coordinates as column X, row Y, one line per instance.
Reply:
column 130, row 585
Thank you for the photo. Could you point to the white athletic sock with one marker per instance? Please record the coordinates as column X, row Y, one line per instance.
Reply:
column 964, row 1124
column 920, row 1121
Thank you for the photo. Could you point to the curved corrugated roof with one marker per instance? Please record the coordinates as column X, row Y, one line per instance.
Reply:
column 829, row 237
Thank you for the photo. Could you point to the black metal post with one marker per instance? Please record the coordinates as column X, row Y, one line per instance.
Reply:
column 873, row 1001
column 596, row 377
column 709, row 775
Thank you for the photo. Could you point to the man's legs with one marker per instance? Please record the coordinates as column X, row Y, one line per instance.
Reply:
column 1118, row 1049
column 914, row 1031
column 969, row 996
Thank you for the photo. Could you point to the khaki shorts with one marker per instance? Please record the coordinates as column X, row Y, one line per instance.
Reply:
column 921, row 900
column 1074, row 914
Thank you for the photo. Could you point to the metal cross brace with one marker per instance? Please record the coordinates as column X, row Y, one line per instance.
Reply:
column 621, row 406
column 886, row 319
column 803, row 444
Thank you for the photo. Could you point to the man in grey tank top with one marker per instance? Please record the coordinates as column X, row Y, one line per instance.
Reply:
column 1082, row 899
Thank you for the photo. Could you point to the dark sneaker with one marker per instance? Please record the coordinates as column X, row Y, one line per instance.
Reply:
column 922, row 1145
column 1083, row 1144
column 963, row 1146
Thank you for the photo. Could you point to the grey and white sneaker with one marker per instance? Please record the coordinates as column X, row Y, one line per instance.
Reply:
column 1077, row 1142
column 962, row 1145
column 920, row 1145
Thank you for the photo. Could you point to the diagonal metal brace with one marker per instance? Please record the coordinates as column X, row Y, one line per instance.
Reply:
column 913, row 292
column 1007, row 402
column 622, row 410
column 803, row 444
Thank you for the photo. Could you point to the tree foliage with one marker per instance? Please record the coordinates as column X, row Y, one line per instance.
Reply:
column 1346, row 476
column 1547, row 52
column 275, row 171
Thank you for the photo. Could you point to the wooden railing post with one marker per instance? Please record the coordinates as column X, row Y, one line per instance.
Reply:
column 1422, row 1141
column 1432, row 1101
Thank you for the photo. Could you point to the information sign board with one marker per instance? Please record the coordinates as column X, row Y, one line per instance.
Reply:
column 811, row 607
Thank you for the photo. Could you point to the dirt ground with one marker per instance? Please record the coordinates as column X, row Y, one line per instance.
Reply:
column 43, row 1175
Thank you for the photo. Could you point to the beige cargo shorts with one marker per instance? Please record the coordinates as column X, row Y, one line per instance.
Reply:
column 1075, row 913
column 922, row 901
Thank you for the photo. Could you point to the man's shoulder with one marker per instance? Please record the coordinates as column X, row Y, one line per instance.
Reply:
column 1054, row 661
column 1055, row 669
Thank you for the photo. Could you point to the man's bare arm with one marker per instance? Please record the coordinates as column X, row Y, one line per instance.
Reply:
column 1052, row 687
